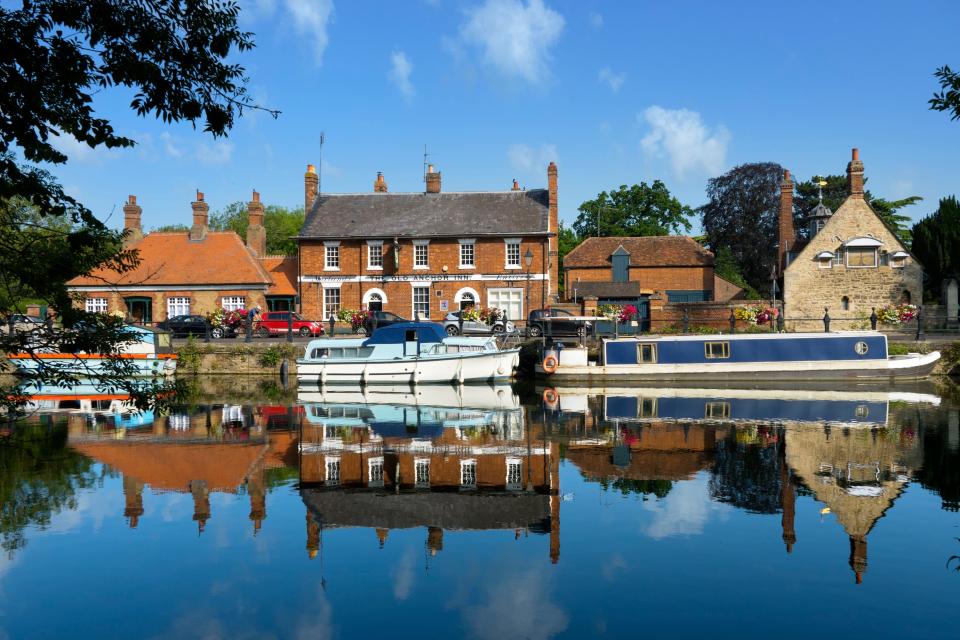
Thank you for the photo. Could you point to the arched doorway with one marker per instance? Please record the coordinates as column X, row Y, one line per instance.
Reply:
column 374, row 299
column 466, row 298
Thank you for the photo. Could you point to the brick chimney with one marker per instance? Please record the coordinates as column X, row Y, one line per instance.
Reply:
column 131, row 221
column 554, row 229
column 256, row 233
column 311, row 186
column 433, row 180
column 516, row 185
column 786, row 234
column 855, row 175
column 199, row 229
column 379, row 185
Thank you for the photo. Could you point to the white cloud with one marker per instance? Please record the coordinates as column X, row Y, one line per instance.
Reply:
column 170, row 145
column 403, row 576
column 514, row 36
column 526, row 159
column 681, row 135
column 518, row 607
column 217, row 152
column 615, row 80
column 80, row 152
column 596, row 20
column 684, row 511
column 400, row 70
column 311, row 19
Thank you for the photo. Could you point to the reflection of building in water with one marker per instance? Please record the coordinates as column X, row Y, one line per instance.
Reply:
column 857, row 473
column 215, row 449
column 395, row 467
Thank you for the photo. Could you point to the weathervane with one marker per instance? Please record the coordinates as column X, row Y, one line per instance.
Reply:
column 821, row 183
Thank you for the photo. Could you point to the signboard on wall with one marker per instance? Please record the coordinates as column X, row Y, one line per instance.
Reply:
column 444, row 305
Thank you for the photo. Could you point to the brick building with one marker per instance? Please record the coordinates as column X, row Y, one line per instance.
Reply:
column 191, row 272
column 851, row 263
column 428, row 253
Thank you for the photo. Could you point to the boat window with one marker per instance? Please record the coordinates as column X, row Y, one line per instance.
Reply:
column 717, row 410
column 647, row 408
column 411, row 335
column 716, row 349
column 318, row 353
column 646, row 352
column 862, row 411
column 861, row 348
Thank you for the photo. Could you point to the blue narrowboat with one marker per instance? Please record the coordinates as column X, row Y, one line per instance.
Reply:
column 848, row 355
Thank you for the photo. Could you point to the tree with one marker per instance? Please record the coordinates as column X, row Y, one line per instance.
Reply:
column 282, row 225
column 949, row 97
column 57, row 55
column 640, row 210
column 567, row 241
column 741, row 217
column 727, row 268
column 167, row 228
column 936, row 243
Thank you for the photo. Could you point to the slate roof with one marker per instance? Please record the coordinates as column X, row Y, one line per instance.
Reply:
column 645, row 251
column 167, row 259
column 466, row 214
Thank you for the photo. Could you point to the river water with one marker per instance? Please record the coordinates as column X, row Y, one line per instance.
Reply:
column 488, row 513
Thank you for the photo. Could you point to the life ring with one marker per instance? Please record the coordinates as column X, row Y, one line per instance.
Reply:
column 550, row 398
column 550, row 363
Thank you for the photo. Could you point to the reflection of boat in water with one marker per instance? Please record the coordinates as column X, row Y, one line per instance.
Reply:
column 499, row 396
column 649, row 404
column 88, row 400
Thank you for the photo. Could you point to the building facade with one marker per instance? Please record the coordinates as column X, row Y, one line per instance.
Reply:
column 425, row 254
column 851, row 263
column 191, row 272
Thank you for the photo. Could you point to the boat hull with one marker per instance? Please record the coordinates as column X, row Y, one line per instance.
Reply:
column 912, row 367
column 92, row 365
column 469, row 367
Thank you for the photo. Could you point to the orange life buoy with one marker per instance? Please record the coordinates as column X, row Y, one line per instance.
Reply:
column 550, row 363
column 550, row 398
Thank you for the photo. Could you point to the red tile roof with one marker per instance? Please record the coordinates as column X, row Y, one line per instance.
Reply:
column 173, row 259
column 283, row 271
column 645, row 251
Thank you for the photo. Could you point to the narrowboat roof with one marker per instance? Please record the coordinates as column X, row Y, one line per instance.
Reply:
column 427, row 332
column 749, row 336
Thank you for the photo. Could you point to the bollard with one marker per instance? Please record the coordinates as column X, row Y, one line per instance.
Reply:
column 919, row 322
column 686, row 320
column 206, row 331
column 780, row 322
column 826, row 320
column 873, row 318
column 733, row 322
column 333, row 324
column 249, row 334
column 460, row 324
column 289, row 326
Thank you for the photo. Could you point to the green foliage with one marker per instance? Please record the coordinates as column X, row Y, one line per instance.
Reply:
column 640, row 210
column 188, row 356
column 567, row 241
column 948, row 99
column 171, row 228
column 741, row 218
column 727, row 268
column 936, row 244
column 282, row 225
column 275, row 354
column 888, row 210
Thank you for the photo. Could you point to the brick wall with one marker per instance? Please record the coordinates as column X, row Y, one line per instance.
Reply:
column 660, row 279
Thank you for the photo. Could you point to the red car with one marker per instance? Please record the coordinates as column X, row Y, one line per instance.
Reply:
column 274, row 323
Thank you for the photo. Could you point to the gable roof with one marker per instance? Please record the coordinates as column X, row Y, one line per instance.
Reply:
column 283, row 271
column 167, row 259
column 382, row 215
column 645, row 251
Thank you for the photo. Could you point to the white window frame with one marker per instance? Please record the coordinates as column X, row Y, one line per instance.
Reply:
column 326, row 309
column 466, row 475
column 838, row 258
column 375, row 472
column 517, row 483
column 825, row 263
column 332, row 471
column 375, row 255
column 418, row 465
column 876, row 258
column 413, row 299
column 374, row 291
column 897, row 263
column 331, row 256
column 421, row 245
column 233, row 303
column 96, row 305
column 178, row 306
column 507, row 244
column 498, row 290
column 472, row 243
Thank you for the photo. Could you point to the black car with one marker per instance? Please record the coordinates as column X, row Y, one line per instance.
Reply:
column 193, row 325
column 383, row 319
column 562, row 323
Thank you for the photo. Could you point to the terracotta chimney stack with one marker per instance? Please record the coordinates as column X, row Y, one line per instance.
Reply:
column 554, row 228
column 433, row 180
column 311, row 186
column 786, row 234
column 199, row 229
column 256, row 233
column 855, row 175
column 131, row 221
column 516, row 185
column 379, row 185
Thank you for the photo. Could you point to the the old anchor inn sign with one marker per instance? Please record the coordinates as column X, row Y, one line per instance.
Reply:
column 428, row 253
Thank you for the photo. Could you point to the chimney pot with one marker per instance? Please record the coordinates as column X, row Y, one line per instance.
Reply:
column 379, row 185
column 311, row 168
column 516, row 185
column 256, row 196
column 199, row 196
column 856, row 153
column 132, row 199
column 429, row 168
column 311, row 186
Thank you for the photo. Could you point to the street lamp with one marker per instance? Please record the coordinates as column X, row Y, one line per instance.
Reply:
column 528, row 260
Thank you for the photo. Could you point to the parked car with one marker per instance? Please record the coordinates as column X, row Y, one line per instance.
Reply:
column 562, row 323
column 195, row 325
column 21, row 323
column 384, row 319
column 274, row 323
column 451, row 324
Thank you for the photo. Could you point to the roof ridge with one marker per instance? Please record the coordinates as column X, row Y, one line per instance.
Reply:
column 382, row 194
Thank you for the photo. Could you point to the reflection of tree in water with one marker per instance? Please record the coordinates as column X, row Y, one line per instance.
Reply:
column 941, row 458
column 746, row 471
column 626, row 486
column 39, row 477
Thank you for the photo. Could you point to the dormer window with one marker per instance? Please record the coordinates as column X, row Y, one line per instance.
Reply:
column 898, row 259
column 862, row 252
column 825, row 259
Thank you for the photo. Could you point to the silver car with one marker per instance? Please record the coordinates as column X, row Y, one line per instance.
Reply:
column 451, row 324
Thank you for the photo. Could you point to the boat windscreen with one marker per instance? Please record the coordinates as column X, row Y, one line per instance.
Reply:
column 427, row 332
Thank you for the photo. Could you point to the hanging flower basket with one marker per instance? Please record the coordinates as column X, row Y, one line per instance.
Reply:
column 895, row 315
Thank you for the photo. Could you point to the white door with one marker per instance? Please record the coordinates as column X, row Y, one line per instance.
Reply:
column 510, row 300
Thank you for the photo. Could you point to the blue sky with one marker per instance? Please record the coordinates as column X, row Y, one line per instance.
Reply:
column 614, row 92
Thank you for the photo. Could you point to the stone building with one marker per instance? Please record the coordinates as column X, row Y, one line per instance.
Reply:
column 191, row 272
column 428, row 253
column 851, row 263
